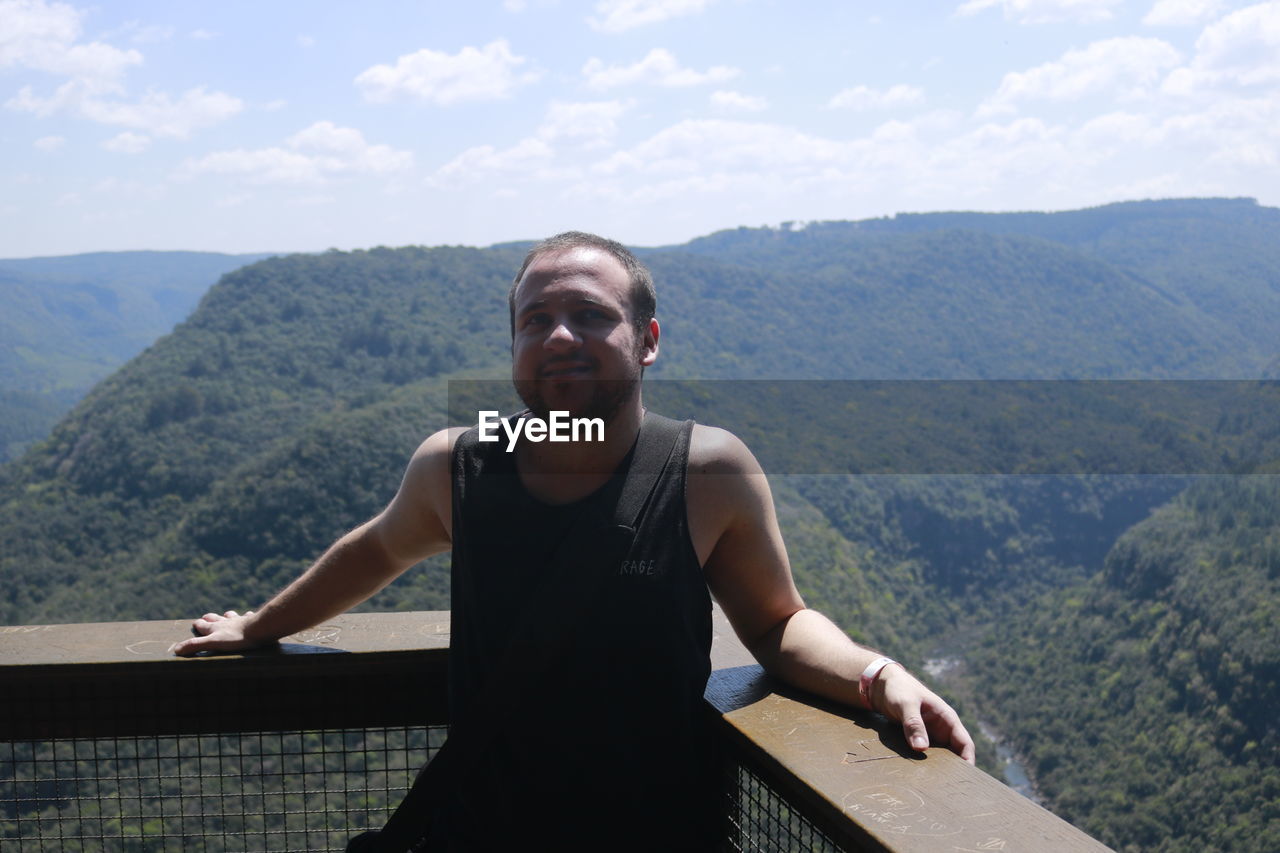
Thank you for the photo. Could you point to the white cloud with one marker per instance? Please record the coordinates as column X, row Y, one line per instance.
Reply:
column 616, row 16
column 1241, row 50
column 587, row 124
column 736, row 102
column 311, row 156
column 1237, row 133
column 1113, row 132
column 203, row 35
column 472, row 74
column 1230, row 139
column 127, row 143
column 529, row 156
column 735, row 159
column 1240, row 135
column 1126, row 67
column 659, row 67
column 347, row 150
column 1182, row 13
column 28, row 101
column 261, row 166
column 923, row 162
column 155, row 112
column 995, row 154
column 746, row 162
column 1045, row 11
column 159, row 114
column 140, row 33
column 49, row 143
column 721, row 145
column 328, row 137
column 29, row 23
column 593, row 123
column 865, row 98
column 44, row 37
column 305, row 40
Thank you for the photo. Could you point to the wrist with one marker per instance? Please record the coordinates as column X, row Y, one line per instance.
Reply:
column 875, row 672
column 251, row 630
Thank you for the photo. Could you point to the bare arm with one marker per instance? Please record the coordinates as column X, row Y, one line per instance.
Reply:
column 735, row 529
column 416, row 524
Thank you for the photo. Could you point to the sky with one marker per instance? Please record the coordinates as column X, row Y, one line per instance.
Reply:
column 303, row 126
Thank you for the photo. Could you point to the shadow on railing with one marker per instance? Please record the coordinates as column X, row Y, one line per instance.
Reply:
column 108, row 743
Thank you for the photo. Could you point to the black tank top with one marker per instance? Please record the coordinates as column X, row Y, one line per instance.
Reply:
column 611, row 750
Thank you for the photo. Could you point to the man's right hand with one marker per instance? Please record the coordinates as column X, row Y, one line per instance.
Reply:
column 214, row 633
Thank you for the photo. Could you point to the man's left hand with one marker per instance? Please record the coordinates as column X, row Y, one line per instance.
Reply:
column 926, row 719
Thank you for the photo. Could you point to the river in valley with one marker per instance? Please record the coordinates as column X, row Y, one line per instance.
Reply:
column 1012, row 770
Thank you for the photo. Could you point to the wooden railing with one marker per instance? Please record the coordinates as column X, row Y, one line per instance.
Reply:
column 109, row 742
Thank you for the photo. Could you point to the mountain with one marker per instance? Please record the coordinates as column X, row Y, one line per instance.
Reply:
column 66, row 322
column 1183, row 289
column 276, row 359
column 1161, row 674
column 957, row 304
column 211, row 468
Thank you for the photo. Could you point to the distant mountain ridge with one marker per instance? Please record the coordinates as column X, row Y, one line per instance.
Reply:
column 66, row 322
column 1206, row 271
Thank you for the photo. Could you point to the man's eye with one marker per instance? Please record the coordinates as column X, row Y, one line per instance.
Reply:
column 536, row 320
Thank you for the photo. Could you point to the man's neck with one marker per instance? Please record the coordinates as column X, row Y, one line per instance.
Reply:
column 560, row 472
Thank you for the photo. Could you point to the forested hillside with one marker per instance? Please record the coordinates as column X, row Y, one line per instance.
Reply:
column 1170, row 289
column 67, row 322
column 227, row 454
column 1179, row 638
column 1117, row 610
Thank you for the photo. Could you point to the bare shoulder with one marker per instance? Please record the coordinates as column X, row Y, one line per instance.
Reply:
column 418, row 521
column 734, row 530
column 725, row 488
column 436, row 450
column 716, row 451
column 430, row 472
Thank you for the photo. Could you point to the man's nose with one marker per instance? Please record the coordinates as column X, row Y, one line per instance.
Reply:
column 562, row 337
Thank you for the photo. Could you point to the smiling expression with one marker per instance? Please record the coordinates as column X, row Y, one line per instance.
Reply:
column 574, row 346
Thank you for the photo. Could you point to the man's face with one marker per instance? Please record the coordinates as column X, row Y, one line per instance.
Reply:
column 575, row 347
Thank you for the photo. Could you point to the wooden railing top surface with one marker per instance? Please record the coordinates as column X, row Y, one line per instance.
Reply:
column 137, row 642
column 852, row 769
column 101, row 643
column 857, row 766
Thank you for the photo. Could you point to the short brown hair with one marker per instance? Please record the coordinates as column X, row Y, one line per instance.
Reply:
column 644, row 298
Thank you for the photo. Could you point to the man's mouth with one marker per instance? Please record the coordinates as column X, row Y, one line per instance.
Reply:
column 565, row 370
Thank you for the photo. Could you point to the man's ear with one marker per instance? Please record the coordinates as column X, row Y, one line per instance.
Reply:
column 649, row 346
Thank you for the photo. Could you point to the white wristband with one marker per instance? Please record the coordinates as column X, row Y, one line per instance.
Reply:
column 869, row 676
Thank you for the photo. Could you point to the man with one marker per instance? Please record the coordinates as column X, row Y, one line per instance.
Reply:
column 583, row 330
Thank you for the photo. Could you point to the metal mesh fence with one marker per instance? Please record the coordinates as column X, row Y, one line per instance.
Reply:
column 261, row 791
column 761, row 819
column 269, row 791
